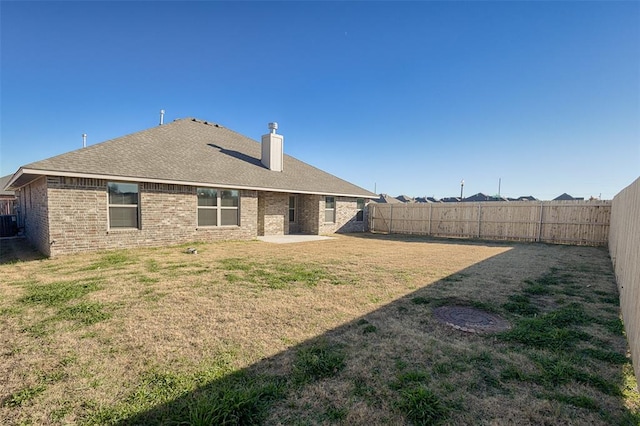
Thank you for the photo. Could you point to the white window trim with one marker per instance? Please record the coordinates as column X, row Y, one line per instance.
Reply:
column 335, row 208
column 295, row 209
column 133, row 206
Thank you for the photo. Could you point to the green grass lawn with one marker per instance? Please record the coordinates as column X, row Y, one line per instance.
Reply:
column 330, row 332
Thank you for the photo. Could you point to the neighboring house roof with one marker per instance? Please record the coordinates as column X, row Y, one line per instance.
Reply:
column 566, row 197
column 4, row 180
column 426, row 200
column 477, row 197
column 563, row 197
column 189, row 152
column 450, row 199
column 386, row 199
column 482, row 197
column 405, row 199
column 523, row 198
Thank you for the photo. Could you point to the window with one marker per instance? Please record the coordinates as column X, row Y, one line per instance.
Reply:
column 218, row 207
column 207, row 207
column 360, row 210
column 292, row 208
column 329, row 209
column 229, row 207
column 123, row 205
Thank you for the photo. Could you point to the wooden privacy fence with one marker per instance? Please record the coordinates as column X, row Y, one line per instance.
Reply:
column 562, row 222
column 624, row 248
column 6, row 206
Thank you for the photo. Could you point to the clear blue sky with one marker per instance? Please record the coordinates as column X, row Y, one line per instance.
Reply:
column 400, row 97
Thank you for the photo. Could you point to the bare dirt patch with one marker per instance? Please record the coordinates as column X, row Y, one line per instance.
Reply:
column 337, row 331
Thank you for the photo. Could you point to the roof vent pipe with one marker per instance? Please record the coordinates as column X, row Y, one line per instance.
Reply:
column 84, row 140
column 161, row 117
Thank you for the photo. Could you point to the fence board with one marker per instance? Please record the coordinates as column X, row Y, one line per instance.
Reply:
column 7, row 206
column 624, row 248
column 563, row 222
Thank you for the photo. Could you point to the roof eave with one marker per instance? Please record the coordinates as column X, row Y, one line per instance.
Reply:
column 33, row 174
column 10, row 184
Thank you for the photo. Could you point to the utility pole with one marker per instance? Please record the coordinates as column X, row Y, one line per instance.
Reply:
column 461, row 188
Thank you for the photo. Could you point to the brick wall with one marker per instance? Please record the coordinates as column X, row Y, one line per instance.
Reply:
column 78, row 214
column 273, row 213
column 67, row 215
column 34, row 215
column 309, row 213
column 345, row 217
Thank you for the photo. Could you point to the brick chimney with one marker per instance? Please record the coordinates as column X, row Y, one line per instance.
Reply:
column 272, row 149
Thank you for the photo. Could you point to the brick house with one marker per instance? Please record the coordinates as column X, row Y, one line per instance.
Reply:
column 189, row 180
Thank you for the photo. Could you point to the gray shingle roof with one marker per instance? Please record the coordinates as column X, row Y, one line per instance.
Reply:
column 566, row 197
column 192, row 152
column 387, row 199
column 4, row 180
column 405, row 199
column 483, row 197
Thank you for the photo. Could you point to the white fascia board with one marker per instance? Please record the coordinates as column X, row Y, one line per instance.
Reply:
column 15, row 177
column 179, row 182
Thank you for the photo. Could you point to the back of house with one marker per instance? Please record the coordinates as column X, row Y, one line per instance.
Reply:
column 189, row 180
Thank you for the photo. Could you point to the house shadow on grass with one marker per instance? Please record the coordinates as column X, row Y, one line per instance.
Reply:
column 17, row 250
column 420, row 238
column 563, row 360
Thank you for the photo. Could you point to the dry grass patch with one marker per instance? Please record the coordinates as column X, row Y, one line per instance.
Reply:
column 330, row 332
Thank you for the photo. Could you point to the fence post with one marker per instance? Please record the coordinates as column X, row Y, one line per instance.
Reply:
column 430, row 208
column 479, row 212
column 373, row 218
column 390, row 218
column 540, row 225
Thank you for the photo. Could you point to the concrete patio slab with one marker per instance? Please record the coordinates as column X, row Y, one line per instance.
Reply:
column 288, row 239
